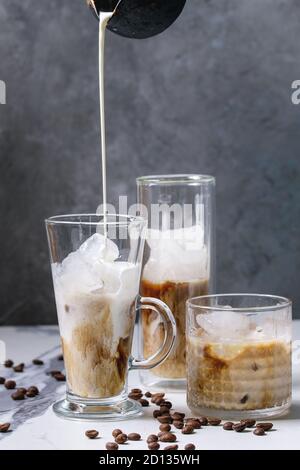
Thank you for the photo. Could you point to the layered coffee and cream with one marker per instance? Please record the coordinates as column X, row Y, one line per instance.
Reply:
column 95, row 296
column 177, row 269
column 234, row 365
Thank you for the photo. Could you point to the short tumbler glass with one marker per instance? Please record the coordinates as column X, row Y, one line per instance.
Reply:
column 96, row 265
column 239, row 356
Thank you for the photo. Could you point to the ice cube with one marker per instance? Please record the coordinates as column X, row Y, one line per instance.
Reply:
column 98, row 247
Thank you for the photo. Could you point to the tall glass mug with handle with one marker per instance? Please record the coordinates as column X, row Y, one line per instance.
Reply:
column 178, row 263
column 96, row 266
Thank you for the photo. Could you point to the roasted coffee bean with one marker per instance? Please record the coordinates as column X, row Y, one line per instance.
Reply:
column 194, row 422
column 153, row 446
column 187, row 429
column 178, row 416
column 166, row 419
column 167, row 437
column 167, row 404
column 22, row 390
column 189, row 447
column 259, row 432
column 19, row 367
column 164, row 410
column 239, row 427
column 92, row 434
column 152, row 438
column 203, row 420
column 121, row 438
column 156, row 413
column 54, row 372
column 178, row 424
column 38, row 362
column 174, row 447
column 214, row 421
column 148, row 394
column 111, row 446
column 33, row 389
column 135, row 396
column 265, row 426
column 134, row 436
column 10, row 384
column 228, row 426
column 165, row 427
column 60, row 377
column 8, row 363
column 60, row 357
column 144, row 402
column 158, row 401
column 18, row 396
column 136, row 390
column 30, row 394
column 116, row 432
column 2, row 380
column 249, row 423
column 4, row 427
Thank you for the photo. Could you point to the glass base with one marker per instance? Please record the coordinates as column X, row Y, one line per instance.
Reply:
column 162, row 384
column 236, row 415
column 87, row 410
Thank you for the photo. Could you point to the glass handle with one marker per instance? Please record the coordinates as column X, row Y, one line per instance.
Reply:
column 156, row 305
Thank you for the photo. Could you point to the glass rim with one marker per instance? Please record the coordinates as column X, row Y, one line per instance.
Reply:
column 283, row 302
column 173, row 179
column 66, row 220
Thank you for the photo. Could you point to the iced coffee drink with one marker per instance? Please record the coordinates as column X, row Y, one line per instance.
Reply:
column 177, row 269
column 95, row 297
column 235, row 365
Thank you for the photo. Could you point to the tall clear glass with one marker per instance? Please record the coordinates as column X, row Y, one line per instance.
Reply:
column 178, row 263
column 239, row 356
column 96, row 266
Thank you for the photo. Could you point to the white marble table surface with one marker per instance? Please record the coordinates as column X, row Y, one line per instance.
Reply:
column 35, row 426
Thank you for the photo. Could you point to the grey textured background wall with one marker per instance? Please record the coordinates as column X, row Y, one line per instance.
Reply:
column 212, row 95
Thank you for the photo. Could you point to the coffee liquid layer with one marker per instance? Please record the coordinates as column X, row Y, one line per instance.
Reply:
column 175, row 296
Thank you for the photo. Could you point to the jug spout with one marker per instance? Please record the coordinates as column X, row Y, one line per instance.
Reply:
column 139, row 19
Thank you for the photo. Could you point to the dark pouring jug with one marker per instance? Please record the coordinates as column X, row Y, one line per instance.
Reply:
column 139, row 19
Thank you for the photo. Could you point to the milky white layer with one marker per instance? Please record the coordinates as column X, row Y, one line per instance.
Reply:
column 90, row 275
column 176, row 255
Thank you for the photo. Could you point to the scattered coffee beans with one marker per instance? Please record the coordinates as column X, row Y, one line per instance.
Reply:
column 189, row 447
column 153, row 446
column 194, row 422
column 174, row 447
column 18, row 395
column 19, row 367
column 249, row 423
column 134, row 436
column 166, row 419
column 187, row 429
column 148, row 394
column 239, row 427
column 265, row 426
column 33, row 389
column 144, row 402
column 136, row 390
column 92, row 434
column 167, row 404
column 4, row 427
column 38, row 362
column 228, row 426
column 259, row 432
column 9, row 363
column 60, row 377
column 111, row 446
column 116, row 432
column 10, row 384
column 135, row 396
column 178, row 424
column 121, row 438
column 152, row 438
column 203, row 420
column 165, row 427
column 22, row 390
column 167, row 437
column 214, row 421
